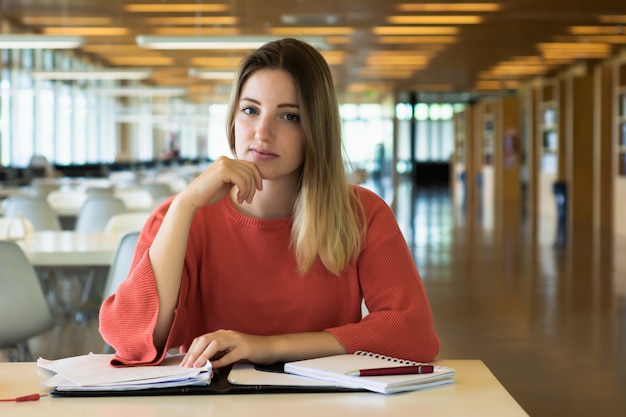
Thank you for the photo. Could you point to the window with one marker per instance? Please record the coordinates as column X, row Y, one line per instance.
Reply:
column 217, row 144
column 434, row 132
column 80, row 140
column 364, row 131
column 63, row 125
column 44, row 128
column 23, row 121
column 5, row 120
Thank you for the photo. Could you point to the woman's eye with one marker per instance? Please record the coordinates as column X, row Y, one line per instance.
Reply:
column 249, row 110
column 292, row 117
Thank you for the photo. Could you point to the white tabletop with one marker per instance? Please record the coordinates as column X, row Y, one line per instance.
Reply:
column 476, row 393
column 68, row 248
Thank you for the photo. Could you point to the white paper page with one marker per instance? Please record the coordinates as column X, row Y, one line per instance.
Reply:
column 63, row 384
column 95, row 369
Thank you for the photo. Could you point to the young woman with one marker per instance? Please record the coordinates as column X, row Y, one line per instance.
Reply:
column 267, row 256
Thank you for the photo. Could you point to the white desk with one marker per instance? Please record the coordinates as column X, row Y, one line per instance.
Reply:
column 476, row 393
column 68, row 248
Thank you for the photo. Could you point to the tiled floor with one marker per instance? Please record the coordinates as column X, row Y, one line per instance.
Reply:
column 548, row 319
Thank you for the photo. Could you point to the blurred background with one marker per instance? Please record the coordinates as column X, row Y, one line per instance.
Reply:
column 496, row 131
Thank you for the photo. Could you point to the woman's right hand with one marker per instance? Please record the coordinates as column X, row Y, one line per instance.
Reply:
column 217, row 180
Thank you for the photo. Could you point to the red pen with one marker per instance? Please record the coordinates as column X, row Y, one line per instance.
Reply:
column 395, row 370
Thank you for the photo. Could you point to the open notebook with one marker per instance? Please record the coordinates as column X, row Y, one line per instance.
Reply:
column 333, row 369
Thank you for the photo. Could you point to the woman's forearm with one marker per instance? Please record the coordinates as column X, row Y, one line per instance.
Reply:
column 296, row 346
column 167, row 256
column 224, row 347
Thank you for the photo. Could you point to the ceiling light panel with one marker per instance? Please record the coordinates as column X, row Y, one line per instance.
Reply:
column 175, row 8
column 191, row 20
column 112, row 74
column 411, row 40
column 449, row 7
column 86, row 31
column 312, row 31
column 66, row 21
column 14, row 41
column 415, row 30
column 214, row 42
column 434, row 20
column 212, row 75
column 195, row 31
column 140, row 60
column 141, row 91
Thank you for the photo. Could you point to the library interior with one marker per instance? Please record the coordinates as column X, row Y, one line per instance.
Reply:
column 495, row 131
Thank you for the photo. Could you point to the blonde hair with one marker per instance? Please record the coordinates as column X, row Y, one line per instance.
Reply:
column 328, row 220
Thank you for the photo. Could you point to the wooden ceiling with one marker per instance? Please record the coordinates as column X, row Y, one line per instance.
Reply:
column 508, row 41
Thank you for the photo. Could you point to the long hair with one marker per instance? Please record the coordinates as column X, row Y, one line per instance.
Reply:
column 328, row 220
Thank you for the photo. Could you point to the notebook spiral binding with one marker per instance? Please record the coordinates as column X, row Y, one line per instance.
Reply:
column 387, row 358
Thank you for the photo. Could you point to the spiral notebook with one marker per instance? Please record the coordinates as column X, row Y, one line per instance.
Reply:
column 333, row 369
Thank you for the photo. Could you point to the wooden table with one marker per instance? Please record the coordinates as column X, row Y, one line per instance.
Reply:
column 476, row 393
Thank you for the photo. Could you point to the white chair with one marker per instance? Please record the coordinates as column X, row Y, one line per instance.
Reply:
column 35, row 209
column 123, row 222
column 67, row 201
column 122, row 260
column 120, row 267
column 96, row 212
column 157, row 190
column 136, row 199
column 14, row 228
column 24, row 311
column 176, row 181
column 106, row 191
column 41, row 188
column 123, row 179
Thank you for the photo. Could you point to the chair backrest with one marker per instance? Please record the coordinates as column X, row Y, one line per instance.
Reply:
column 136, row 198
column 126, row 222
column 96, row 212
column 35, row 209
column 157, row 189
column 67, row 200
column 122, row 261
column 13, row 228
column 107, row 191
column 24, row 310
column 42, row 189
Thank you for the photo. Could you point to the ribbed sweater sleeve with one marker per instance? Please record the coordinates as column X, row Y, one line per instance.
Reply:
column 127, row 321
column 400, row 322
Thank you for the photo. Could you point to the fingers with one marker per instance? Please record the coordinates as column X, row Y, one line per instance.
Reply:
column 201, row 350
column 248, row 181
column 221, row 176
column 211, row 345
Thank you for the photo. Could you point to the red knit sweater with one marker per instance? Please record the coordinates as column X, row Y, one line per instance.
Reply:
column 240, row 274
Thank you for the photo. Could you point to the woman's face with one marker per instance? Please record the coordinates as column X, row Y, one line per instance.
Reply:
column 267, row 125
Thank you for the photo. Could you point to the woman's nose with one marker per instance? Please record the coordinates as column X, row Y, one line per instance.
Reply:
column 264, row 128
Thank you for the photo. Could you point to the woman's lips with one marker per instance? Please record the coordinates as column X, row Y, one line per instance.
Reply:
column 262, row 154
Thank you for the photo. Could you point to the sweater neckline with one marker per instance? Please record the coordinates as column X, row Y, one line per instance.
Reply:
column 248, row 221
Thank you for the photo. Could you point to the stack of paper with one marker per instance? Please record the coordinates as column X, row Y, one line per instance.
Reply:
column 93, row 372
